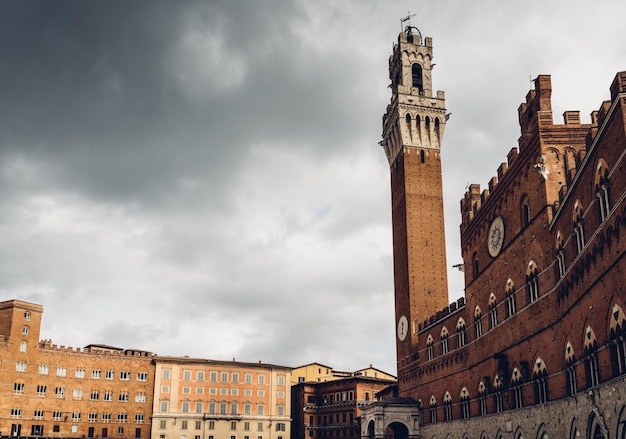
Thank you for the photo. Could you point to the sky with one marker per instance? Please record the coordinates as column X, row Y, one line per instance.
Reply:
column 204, row 178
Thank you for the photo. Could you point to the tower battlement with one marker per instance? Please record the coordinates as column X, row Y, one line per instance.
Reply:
column 539, row 135
column 414, row 117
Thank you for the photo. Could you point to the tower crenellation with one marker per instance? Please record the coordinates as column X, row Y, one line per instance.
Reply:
column 414, row 116
column 538, row 134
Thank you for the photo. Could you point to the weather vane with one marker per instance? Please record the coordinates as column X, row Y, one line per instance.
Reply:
column 407, row 18
column 408, row 27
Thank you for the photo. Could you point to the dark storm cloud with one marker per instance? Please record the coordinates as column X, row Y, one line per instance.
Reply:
column 123, row 100
column 212, row 167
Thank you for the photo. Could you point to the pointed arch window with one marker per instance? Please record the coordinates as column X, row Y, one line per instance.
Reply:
column 460, row 333
column 464, row 399
column 497, row 394
column 602, row 189
column 540, row 382
column 447, row 407
column 516, row 385
column 475, row 266
column 560, row 255
column 433, row 410
column 437, row 131
column 407, row 120
column 525, row 211
column 493, row 311
column 618, row 340
column 430, row 349
column 445, row 348
column 478, row 323
column 591, row 358
column 532, row 281
column 570, row 370
column 416, row 74
column 511, row 307
column 482, row 399
column 579, row 229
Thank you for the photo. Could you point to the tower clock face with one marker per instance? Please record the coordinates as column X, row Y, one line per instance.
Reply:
column 403, row 328
column 496, row 236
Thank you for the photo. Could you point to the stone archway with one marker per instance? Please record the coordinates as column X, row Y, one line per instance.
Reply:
column 396, row 430
column 396, row 418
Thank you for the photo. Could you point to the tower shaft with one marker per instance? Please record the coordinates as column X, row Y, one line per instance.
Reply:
column 413, row 129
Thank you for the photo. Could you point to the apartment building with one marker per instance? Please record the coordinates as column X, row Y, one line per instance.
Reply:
column 209, row 399
column 57, row 391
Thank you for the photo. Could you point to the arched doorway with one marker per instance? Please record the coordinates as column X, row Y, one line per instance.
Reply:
column 371, row 430
column 396, row 430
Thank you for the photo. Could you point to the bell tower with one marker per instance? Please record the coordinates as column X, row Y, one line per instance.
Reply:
column 413, row 129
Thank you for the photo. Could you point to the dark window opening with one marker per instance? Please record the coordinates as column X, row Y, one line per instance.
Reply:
column 416, row 71
column 525, row 214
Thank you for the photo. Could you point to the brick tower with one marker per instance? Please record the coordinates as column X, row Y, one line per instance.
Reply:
column 413, row 128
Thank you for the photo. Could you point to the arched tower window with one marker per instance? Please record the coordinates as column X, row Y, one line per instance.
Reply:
column 602, row 189
column 540, row 382
column 447, row 407
column 493, row 311
column 416, row 73
column 532, row 281
column 407, row 119
column 560, row 255
column 475, row 264
column 433, row 409
column 460, row 333
column 498, row 388
column 511, row 307
column 445, row 348
column 591, row 358
column 570, row 369
column 579, row 230
column 464, row 398
column 617, row 324
column 430, row 350
column 478, row 323
column 525, row 211
column 482, row 399
column 516, row 385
